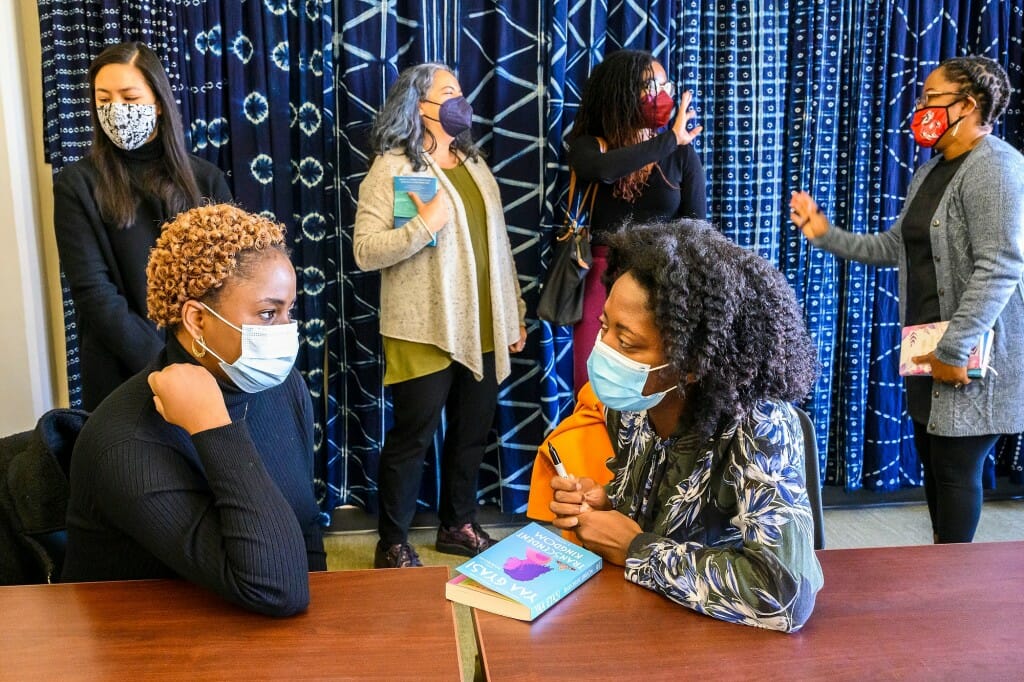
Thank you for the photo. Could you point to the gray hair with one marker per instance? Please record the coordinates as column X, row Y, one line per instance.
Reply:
column 399, row 125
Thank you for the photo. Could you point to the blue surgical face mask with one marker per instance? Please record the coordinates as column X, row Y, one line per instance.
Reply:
column 619, row 381
column 268, row 354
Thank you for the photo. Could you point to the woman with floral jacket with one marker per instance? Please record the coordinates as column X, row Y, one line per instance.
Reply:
column 701, row 345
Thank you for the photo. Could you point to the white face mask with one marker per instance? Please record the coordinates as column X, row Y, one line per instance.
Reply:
column 268, row 354
column 127, row 125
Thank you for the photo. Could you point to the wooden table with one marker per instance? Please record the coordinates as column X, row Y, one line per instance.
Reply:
column 387, row 624
column 930, row 612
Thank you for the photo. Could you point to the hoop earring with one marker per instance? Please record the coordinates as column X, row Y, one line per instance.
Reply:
column 202, row 350
column 956, row 128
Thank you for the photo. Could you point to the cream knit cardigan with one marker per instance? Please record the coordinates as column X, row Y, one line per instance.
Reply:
column 428, row 294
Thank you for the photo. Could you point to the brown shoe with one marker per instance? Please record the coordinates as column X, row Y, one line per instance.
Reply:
column 469, row 539
column 401, row 555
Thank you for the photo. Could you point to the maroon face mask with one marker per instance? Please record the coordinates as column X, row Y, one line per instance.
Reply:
column 657, row 110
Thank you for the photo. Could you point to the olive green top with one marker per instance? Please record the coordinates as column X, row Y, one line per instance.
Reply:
column 407, row 360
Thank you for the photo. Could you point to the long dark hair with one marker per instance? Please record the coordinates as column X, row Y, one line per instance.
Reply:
column 398, row 125
column 173, row 181
column 610, row 108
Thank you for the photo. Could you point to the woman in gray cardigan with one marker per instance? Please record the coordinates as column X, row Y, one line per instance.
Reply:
column 450, row 307
column 959, row 245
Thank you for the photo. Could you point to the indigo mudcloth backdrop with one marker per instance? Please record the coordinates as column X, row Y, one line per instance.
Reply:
column 255, row 83
column 813, row 94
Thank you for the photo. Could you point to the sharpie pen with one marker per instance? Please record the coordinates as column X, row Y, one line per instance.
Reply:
column 557, row 461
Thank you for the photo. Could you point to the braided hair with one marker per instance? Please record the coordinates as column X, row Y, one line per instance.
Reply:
column 610, row 109
column 984, row 80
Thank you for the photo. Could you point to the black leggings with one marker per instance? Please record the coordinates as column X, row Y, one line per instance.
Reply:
column 952, row 481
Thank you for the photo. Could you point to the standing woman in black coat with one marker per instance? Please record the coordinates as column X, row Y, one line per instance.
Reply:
column 109, row 209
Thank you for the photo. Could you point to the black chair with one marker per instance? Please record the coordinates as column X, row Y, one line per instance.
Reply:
column 34, row 468
column 813, row 477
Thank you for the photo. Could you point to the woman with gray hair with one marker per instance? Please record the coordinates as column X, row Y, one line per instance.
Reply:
column 450, row 306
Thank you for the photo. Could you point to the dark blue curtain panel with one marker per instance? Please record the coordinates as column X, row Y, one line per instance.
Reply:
column 813, row 94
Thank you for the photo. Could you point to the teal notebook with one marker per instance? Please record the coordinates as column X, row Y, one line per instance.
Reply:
column 523, row 575
column 425, row 188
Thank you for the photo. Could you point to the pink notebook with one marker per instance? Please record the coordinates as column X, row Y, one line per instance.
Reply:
column 921, row 339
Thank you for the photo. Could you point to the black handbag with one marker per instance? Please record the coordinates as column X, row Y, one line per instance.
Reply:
column 561, row 297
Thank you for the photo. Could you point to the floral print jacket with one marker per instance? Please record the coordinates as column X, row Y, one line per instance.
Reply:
column 727, row 527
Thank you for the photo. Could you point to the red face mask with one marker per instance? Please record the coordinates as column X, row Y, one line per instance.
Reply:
column 657, row 110
column 930, row 124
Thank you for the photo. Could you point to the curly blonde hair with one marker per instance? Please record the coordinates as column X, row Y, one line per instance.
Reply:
column 199, row 250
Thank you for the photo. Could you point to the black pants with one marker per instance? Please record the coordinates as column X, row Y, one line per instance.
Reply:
column 469, row 408
column 952, row 481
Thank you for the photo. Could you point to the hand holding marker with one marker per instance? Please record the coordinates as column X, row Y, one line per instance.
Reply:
column 560, row 470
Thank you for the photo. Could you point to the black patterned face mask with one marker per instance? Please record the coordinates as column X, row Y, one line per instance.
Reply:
column 127, row 125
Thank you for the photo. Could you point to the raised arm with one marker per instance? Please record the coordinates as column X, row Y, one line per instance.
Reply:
column 228, row 528
column 881, row 249
column 591, row 164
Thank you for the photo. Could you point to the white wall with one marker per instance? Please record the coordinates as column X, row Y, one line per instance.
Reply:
column 32, row 380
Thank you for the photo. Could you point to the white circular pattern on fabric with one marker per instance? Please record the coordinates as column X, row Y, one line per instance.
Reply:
column 308, row 118
column 242, row 48
column 311, row 172
column 262, row 168
column 217, row 132
column 255, row 107
column 280, row 56
column 278, row 7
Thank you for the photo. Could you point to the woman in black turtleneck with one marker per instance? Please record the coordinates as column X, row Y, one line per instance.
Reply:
column 110, row 206
column 201, row 466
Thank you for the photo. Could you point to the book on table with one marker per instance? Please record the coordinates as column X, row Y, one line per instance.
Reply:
column 523, row 575
column 425, row 188
column 921, row 339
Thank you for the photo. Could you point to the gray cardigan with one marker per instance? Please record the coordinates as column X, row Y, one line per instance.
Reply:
column 977, row 240
column 428, row 294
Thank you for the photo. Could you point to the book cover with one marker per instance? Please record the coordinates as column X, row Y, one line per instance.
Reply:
column 921, row 339
column 425, row 188
column 523, row 575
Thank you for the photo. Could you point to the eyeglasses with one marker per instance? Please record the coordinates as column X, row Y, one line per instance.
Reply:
column 653, row 86
column 922, row 101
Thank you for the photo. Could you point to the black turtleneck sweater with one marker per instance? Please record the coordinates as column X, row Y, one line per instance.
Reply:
column 105, row 267
column 230, row 508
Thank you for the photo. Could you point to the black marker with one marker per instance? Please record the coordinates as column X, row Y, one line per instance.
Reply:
column 557, row 461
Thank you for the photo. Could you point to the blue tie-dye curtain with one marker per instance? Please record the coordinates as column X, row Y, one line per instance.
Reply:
column 793, row 94
column 255, row 84
column 495, row 50
column 801, row 94
column 852, row 71
column 521, row 65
